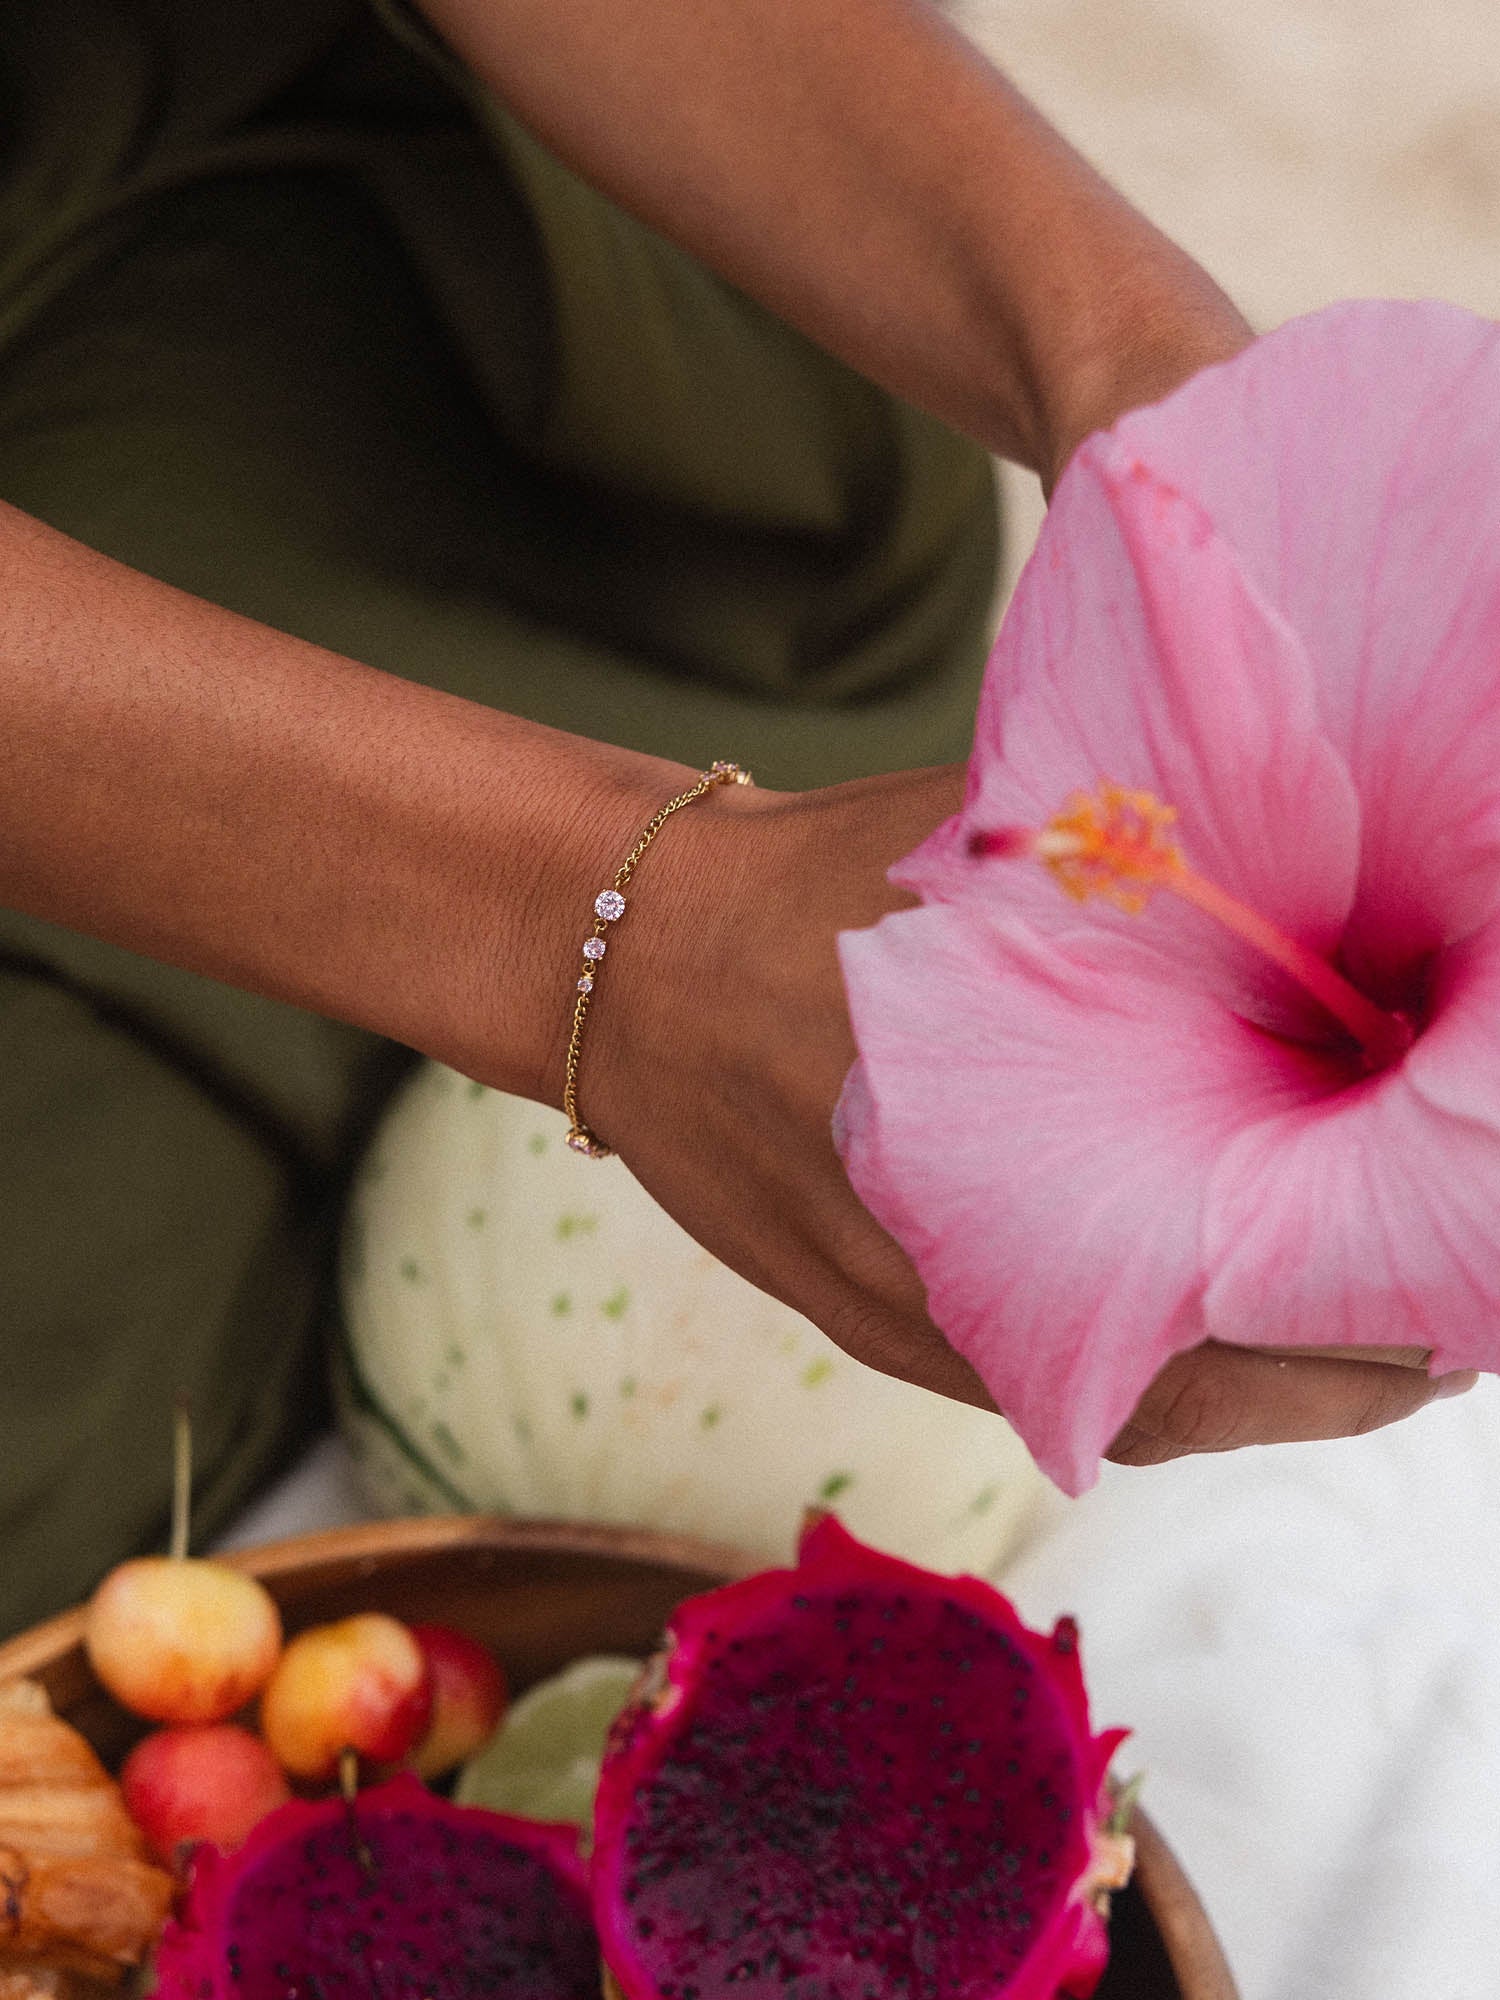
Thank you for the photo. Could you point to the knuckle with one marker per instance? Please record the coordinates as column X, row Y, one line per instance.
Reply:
column 1386, row 1401
column 1199, row 1411
column 866, row 1330
column 1135, row 1445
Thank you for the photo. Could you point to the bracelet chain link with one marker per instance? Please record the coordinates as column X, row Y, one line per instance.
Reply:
column 609, row 907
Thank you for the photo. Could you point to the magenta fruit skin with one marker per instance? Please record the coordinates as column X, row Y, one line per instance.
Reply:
column 854, row 1780
column 431, row 1901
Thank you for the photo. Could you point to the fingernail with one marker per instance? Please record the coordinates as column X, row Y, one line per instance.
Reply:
column 1457, row 1384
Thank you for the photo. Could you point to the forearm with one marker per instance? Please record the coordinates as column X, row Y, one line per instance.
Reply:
column 200, row 788
column 861, row 169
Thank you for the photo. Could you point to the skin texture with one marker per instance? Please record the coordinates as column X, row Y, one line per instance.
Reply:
column 364, row 831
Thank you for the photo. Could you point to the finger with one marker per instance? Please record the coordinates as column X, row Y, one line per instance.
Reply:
column 1391, row 1357
column 1216, row 1398
column 911, row 1350
column 881, row 1321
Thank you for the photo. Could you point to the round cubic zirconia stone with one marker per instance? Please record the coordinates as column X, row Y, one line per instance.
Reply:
column 586, row 984
column 593, row 947
column 584, row 1142
column 609, row 904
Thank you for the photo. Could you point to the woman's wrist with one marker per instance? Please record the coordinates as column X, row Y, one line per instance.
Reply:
column 1092, row 310
column 727, row 965
column 557, row 829
column 660, row 988
column 1146, row 339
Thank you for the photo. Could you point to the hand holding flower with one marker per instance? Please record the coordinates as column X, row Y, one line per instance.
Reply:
column 733, row 1133
column 1265, row 1113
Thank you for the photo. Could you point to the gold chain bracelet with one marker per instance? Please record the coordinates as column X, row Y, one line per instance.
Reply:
column 609, row 907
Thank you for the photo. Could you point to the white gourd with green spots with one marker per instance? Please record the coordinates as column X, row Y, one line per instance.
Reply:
column 528, row 1332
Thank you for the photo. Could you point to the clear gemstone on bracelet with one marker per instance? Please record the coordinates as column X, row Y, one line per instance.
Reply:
column 586, row 984
column 593, row 947
column 583, row 1141
column 609, row 904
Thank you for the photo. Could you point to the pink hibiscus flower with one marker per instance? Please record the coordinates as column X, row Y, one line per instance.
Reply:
column 1197, row 1031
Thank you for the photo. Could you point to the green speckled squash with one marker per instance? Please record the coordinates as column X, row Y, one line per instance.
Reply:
column 527, row 1332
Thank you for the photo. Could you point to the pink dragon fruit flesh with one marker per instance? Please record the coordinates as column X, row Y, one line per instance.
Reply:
column 856, row 1780
column 400, row 1897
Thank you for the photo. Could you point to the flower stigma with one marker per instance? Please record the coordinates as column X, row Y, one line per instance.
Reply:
column 1117, row 843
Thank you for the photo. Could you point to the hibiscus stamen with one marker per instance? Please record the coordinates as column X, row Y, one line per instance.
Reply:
column 1117, row 844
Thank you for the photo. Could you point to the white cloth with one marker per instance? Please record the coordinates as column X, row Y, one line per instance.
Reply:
column 320, row 1491
column 1305, row 1642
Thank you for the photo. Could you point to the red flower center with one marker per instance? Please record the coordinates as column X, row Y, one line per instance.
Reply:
column 1117, row 844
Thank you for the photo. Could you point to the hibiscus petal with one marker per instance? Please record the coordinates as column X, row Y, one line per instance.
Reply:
column 1454, row 1064
column 1136, row 650
column 1036, row 1128
column 1350, row 458
column 1373, row 1217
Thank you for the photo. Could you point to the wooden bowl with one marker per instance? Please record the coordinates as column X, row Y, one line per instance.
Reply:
column 540, row 1593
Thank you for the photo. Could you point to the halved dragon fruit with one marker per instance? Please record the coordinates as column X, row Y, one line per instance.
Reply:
column 400, row 1896
column 856, row 1780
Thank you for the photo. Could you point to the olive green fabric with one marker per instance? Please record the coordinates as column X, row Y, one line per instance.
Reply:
column 291, row 317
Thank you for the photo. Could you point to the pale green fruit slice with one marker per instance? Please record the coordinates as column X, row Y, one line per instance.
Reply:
column 544, row 1759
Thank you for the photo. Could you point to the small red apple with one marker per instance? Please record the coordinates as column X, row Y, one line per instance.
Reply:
column 360, row 1684
column 468, row 1698
column 200, row 1781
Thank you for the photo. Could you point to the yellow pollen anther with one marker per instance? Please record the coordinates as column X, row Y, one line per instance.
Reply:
column 1116, row 843
column 1112, row 843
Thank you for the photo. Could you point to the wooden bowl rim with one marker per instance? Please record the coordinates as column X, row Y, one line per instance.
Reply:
column 1182, row 1923
column 374, row 1542
column 1188, row 1938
